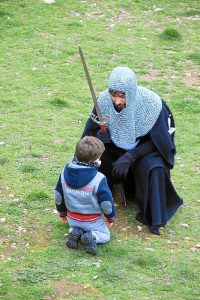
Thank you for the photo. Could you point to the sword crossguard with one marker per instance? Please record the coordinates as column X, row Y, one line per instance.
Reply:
column 95, row 119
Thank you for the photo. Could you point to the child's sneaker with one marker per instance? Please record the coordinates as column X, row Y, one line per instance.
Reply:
column 73, row 238
column 89, row 243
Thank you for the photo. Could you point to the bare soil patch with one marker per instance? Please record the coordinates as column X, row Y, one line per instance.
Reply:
column 126, row 224
column 65, row 290
column 192, row 77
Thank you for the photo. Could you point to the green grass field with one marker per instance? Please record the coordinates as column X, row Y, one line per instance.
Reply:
column 45, row 102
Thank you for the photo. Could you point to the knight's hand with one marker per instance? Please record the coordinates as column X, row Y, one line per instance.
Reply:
column 104, row 136
column 122, row 165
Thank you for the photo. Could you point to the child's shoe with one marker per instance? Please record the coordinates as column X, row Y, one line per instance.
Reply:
column 73, row 238
column 89, row 243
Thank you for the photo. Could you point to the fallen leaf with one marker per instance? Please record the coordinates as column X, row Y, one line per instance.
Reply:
column 195, row 248
column 139, row 228
column 98, row 263
column 184, row 225
column 86, row 286
column 149, row 249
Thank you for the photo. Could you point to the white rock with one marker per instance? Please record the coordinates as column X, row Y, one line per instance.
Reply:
column 49, row 1
column 184, row 225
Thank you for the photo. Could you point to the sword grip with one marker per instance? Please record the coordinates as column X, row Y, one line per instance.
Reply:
column 103, row 127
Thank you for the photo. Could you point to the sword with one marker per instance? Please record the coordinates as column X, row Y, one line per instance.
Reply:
column 102, row 120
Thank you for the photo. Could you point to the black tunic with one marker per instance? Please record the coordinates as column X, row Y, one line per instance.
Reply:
column 149, row 175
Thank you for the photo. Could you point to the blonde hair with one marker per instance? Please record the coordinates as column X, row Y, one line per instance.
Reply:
column 89, row 149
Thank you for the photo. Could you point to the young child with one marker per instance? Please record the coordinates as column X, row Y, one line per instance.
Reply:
column 82, row 194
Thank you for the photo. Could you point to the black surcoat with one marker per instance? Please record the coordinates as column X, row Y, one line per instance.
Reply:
column 149, row 176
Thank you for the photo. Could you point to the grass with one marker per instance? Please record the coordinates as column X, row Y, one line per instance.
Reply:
column 45, row 102
column 170, row 34
column 195, row 56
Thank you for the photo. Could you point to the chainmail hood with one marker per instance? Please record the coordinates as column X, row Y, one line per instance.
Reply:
column 141, row 112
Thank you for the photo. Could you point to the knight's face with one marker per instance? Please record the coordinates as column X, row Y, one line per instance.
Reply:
column 119, row 100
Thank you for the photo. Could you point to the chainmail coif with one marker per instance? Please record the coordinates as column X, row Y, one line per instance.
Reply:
column 141, row 112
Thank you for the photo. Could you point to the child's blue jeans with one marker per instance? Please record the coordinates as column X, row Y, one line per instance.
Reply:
column 98, row 228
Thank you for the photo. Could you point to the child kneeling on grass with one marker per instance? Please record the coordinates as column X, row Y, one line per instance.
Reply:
column 82, row 194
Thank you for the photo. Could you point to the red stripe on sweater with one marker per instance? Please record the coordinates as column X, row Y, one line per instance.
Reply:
column 83, row 218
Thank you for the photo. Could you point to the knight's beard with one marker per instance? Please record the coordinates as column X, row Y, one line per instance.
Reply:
column 119, row 108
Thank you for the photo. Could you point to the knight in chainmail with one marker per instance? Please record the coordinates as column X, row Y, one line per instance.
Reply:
column 139, row 145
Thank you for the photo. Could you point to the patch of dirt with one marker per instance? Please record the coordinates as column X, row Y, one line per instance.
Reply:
column 74, row 57
column 5, row 193
column 158, row 27
column 46, row 156
column 58, row 141
column 148, row 77
column 124, row 17
column 38, row 236
column 152, row 75
column 192, row 77
column 126, row 224
column 28, row 237
column 46, row 35
column 197, row 168
column 94, row 15
column 168, row 51
column 182, row 19
column 65, row 290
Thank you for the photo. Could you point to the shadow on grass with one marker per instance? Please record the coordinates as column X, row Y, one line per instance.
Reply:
column 28, row 168
column 59, row 103
column 189, row 106
column 195, row 56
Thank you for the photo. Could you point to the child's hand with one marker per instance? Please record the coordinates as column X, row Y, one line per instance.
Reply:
column 109, row 224
column 64, row 220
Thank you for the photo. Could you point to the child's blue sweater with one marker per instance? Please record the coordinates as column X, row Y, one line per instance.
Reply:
column 83, row 190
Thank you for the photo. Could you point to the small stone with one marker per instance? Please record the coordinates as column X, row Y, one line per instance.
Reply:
column 184, row 225
column 98, row 263
column 86, row 286
column 149, row 249
column 49, row 1
column 158, row 9
column 15, row 200
column 139, row 228
column 195, row 248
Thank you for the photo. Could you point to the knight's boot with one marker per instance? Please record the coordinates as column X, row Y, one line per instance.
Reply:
column 119, row 194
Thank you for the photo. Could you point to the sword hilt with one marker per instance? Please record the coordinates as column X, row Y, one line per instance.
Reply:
column 101, row 124
column 103, row 127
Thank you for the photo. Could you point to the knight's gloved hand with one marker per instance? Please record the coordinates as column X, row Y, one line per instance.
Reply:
column 122, row 165
column 104, row 136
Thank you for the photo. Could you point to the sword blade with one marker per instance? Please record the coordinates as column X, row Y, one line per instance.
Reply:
column 99, row 115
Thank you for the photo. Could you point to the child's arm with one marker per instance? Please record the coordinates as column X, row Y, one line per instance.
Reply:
column 106, row 201
column 59, row 200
